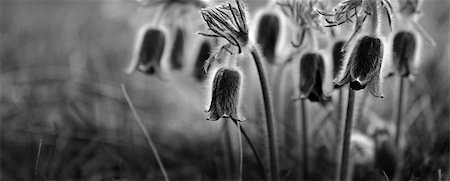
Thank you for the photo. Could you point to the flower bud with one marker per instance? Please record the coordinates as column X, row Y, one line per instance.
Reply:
column 404, row 51
column 226, row 87
column 312, row 74
column 268, row 35
column 363, row 66
column 202, row 56
column 149, row 51
column 177, row 53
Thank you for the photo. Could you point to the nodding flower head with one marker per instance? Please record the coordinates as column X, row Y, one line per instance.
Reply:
column 268, row 34
column 404, row 47
column 363, row 66
column 203, row 54
column 312, row 74
column 177, row 52
column 227, row 21
column 225, row 94
column 149, row 51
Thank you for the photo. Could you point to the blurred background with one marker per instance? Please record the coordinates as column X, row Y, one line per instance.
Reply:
column 62, row 63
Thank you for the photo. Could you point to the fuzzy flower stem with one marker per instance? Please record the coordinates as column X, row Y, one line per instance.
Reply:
column 312, row 38
column 255, row 153
column 347, row 133
column 375, row 28
column 270, row 120
column 338, row 130
column 305, row 139
column 399, row 111
column 241, row 153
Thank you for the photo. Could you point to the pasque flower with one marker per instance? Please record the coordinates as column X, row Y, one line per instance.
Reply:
column 203, row 54
column 149, row 51
column 225, row 94
column 268, row 35
column 312, row 74
column 364, row 53
column 404, row 49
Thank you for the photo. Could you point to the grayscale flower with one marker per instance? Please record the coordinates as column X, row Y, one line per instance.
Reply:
column 363, row 66
column 268, row 34
column 225, row 97
column 312, row 74
column 404, row 49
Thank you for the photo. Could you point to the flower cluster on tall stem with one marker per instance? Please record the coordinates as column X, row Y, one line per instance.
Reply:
column 230, row 23
column 363, row 56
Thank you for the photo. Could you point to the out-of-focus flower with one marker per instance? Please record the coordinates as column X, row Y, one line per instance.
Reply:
column 312, row 74
column 149, row 51
column 404, row 49
column 386, row 153
column 363, row 66
column 203, row 54
column 177, row 53
column 225, row 94
column 270, row 32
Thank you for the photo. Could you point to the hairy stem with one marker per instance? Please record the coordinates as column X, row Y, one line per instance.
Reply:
column 399, row 112
column 147, row 136
column 338, row 131
column 347, row 133
column 252, row 146
column 305, row 139
column 241, row 153
column 271, row 129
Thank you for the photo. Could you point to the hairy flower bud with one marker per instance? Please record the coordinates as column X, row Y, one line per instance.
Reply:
column 363, row 66
column 177, row 53
column 226, row 87
column 203, row 55
column 312, row 74
column 267, row 36
column 149, row 51
column 404, row 47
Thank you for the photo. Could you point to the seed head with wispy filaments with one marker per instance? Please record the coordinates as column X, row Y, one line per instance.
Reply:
column 228, row 22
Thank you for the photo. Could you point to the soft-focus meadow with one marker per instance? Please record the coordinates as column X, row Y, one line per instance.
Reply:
column 64, row 116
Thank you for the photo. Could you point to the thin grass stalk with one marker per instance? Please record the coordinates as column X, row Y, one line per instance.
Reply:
column 399, row 111
column 347, row 133
column 255, row 153
column 304, row 139
column 37, row 160
column 241, row 153
column 270, row 121
column 147, row 136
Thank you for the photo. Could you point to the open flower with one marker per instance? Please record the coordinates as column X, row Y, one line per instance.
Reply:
column 225, row 94
column 312, row 74
column 149, row 51
column 363, row 66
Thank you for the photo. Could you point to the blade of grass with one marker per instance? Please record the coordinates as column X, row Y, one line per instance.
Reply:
column 37, row 159
column 147, row 136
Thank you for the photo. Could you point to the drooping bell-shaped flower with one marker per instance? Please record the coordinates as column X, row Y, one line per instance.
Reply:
column 404, row 49
column 149, row 51
column 312, row 74
column 177, row 53
column 203, row 55
column 268, row 34
column 225, row 94
column 363, row 66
